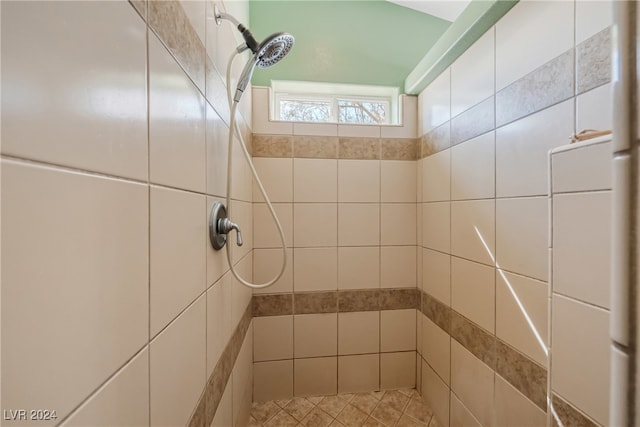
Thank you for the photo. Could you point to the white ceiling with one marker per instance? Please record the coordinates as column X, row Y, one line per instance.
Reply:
column 445, row 9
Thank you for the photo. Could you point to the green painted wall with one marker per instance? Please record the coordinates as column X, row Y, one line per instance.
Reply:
column 371, row 42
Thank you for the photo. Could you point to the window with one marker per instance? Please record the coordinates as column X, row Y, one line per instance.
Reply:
column 332, row 103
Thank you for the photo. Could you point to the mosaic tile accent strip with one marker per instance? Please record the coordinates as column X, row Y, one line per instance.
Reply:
column 593, row 61
column 522, row 373
column 315, row 302
column 210, row 399
column 475, row 121
column 272, row 305
column 436, row 140
column 359, row 148
column 549, row 84
column 315, row 147
column 169, row 21
column 402, row 408
column 399, row 149
column 272, row 146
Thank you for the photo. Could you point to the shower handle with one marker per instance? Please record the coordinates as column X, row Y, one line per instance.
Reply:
column 220, row 226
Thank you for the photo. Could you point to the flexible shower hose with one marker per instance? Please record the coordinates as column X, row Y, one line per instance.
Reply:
column 235, row 129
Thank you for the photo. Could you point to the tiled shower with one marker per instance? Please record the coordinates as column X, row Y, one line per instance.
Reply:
column 440, row 254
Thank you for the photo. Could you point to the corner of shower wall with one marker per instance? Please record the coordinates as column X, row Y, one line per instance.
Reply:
column 486, row 127
column 345, row 195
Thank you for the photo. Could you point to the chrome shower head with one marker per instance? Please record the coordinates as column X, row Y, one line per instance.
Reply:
column 273, row 49
column 265, row 54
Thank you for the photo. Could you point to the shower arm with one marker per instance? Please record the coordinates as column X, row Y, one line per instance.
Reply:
column 249, row 40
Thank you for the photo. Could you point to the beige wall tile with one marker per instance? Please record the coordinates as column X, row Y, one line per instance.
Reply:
column 272, row 380
column 594, row 109
column 316, row 376
column 584, row 168
column 267, row 264
column 472, row 74
column 436, row 177
column 436, row 231
column 434, row 103
column 265, row 230
column 108, row 102
column 224, row 413
column 408, row 120
column 460, row 415
column 397, row 330
column 217, row 262
column 397, row 370
column 512, row 408
column 219, row 326
column 273, row 338
column 315, row 129
column 315, row 224
column 473, row 168
column 242, row 381
column 397, row 181
column 178, row 262
column 217, row 149
column 397, row 266
column 176, row 135
column 359, row 332
column 315, row 269
column 521, row 314
column 115, row 311
column 521, row 27
column 473, row 230
column 436, row 277
column 522, row 149
column 473, row 292
column 582, row 246
column 521, row 236
column 261, row 122
column 315, row 180
column 123, row 400
column 398, row 224
column 358, row 267
column 358, row 224
column 358, row 373
column 358, row 131
column 436, row 349
column 472, row 382
column 178, row 362
column 592, row 17
column 436, row 394
column 358, row 181
column 315, row 335
column 277, row 178
column 580, row 343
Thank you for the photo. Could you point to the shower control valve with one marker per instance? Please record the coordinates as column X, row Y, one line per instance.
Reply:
column 220, row 226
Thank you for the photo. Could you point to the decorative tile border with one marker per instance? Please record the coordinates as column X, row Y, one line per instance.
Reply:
column 593, row 61
column 332, row 147
column 169, row 21
column 475, row 121
column 551, row 83
column 335, row 301
column 568, row 415
column 436, row 140
column 520, row 371
column 359, row 148
column 217, row 382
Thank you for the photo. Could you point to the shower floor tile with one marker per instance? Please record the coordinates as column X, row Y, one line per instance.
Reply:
column 391, row 408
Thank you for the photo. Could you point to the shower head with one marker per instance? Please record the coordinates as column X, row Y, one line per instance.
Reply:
column 265, row 54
